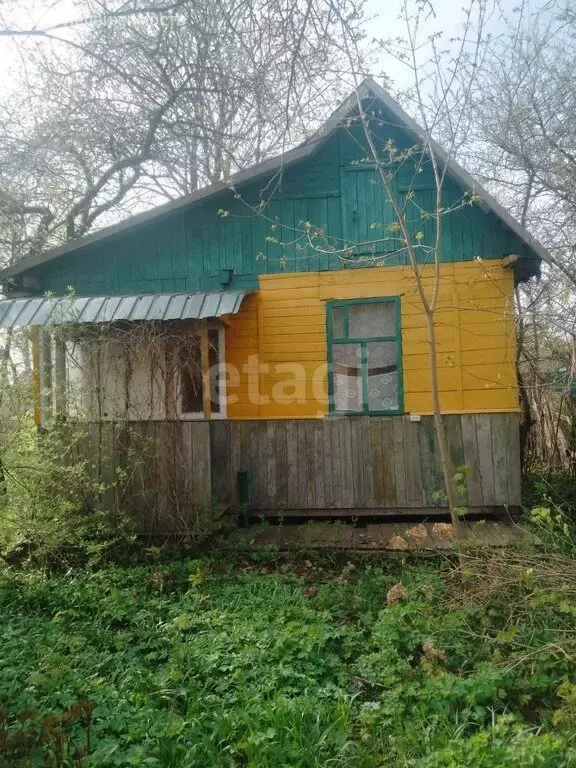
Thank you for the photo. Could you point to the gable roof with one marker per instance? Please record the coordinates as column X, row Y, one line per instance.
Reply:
column 367, row 89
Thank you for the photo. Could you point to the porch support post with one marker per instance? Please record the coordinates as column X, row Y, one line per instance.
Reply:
column 60, row 376
column 36, row 375
column 46, row 382
column 205, row 361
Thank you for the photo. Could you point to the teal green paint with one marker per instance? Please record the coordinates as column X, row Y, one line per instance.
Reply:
column 332, row 340
column 332, row 192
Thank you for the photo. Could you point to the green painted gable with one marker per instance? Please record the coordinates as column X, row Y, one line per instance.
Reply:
column 333, row 200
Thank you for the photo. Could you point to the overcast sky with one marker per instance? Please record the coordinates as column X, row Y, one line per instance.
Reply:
column 385, row 23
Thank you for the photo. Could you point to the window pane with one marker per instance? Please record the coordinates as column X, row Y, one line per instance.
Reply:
column 371, row 319
column 382, row 376
column 338, row 322
column 347, row 364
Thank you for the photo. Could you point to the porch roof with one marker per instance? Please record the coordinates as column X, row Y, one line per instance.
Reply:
column 51, row 310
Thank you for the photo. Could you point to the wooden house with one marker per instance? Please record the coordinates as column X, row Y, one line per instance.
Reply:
column 267, row 334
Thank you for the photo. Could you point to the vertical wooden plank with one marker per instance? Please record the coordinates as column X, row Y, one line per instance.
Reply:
column 329, row 501
column 470, row 447
column 264, row 501
column 203, row 468
column 388, row 468
column 255, row 468
column 281, row 465
column 235, row 458
column 356, row 458
column 337, row 479
column 220, row 458
column 146, row 476
column 456, row 446
column 412, row 463
column 270, row 442
column 377, row 460
column 302, row 465
column 320, row 469
column 485, row 462
column 366, row 457
column 292, row 463
column 499, row 428
column 184, row 465
column 310, row 466
column 428, row 449
column 513, row 457
column 399, row 463
column 166, row 512
column 346, row 463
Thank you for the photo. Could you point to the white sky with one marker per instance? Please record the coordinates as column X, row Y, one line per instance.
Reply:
column 385, row 23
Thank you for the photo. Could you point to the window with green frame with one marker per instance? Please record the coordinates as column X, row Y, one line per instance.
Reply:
column 365, row 356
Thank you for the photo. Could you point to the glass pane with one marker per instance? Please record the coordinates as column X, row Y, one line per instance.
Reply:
column 382, row 376
column 338, row 322
column 347, row 364
column 371, row 319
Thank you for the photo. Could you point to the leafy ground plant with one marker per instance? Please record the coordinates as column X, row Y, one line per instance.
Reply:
column 295, row 660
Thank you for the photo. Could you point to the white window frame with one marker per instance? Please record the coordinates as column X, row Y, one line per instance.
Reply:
column 222, row 399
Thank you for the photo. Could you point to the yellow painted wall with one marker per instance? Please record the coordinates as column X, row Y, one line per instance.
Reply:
column 276, row 346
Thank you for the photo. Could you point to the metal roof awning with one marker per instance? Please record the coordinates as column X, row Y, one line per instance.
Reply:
column 110, row 309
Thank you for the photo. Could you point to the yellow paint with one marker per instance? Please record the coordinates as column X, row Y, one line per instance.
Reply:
column 277, row 343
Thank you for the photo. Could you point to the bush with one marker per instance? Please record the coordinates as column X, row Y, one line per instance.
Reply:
column 544, row 486
column 52, row 501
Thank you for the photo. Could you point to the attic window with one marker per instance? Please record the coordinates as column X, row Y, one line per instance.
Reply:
column 365, row 356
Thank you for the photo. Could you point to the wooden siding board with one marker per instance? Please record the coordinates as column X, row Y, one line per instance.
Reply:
column 412, row 464
column 485, row 460
column 329, row 498
column 281, row 449
column 271, row 459
column 367, row 461
column 399, row 462
column 356, row 460
column 470, row 447
column 302, row 466
column 337, row 479
column 220, row 452
column 310, row 467
column 456, row 446
column 292, row 462
column 513, row 458
column 377, row 460
column 319, row 464
column 500, row 459
column 263, row 501
column 346, row 462
column 388, row 462
column 430, row 487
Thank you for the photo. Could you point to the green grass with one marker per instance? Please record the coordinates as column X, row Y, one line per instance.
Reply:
column 267, row 663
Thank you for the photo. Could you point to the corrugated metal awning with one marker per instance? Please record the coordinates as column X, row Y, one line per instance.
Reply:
column 110, row 309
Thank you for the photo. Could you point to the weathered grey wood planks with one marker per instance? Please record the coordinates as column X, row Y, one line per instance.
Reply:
column 322, row 467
